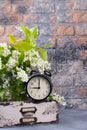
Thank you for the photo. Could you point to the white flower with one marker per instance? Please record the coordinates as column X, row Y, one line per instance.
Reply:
column 13, row 60
column 42, row 65
column 21, row 74
column 6, row 50
column 58, row 98
column 0, row 64
column 47, row 65
column 31, row 54
column 15, row 54
column 6, row 83
column 36, row 61
column 11, row 63
column 8, row 95
column 28, row 69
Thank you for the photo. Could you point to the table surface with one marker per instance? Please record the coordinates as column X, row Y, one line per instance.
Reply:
column 69, row 119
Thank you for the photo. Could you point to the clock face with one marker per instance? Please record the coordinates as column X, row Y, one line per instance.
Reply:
column 38, row 87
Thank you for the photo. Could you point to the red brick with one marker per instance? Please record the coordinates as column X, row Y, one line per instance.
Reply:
column 16, row 1
column 81, row 29
column 75, row 16
column 64, row 4
column 83, row 54
column 3, row 39
column 53, row 39
column 12, row 30
column 16, row 18
column 81, row 91
column 62, row 30
column 30, row 18
column 2, row 30
column 70, row 4
column 27, row 3
column 5, row 7
column 53, row 18
column 80, row 4
column 82, row 40
column 14, row 7
column 58, row 89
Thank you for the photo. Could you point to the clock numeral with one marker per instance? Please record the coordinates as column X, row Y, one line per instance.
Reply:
column 44, row 95
column 34, row 80
column 31, row 83
column 39, row 96
column 31, row 91
column 46, row 91
column 46, row 82
column 35, row 95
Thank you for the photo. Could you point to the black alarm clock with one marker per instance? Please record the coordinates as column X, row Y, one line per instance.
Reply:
column 39, row 86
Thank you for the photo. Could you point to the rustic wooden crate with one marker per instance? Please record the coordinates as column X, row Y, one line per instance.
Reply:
column 25, row 113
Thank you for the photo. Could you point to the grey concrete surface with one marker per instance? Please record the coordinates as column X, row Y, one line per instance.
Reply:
column 70, row 119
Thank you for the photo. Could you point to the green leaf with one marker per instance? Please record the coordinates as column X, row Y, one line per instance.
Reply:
column 1, row 50
column 35, row 32
column 11, row 38
column 21, row 57
column 50, row 98
column 28, row 42
column 22, row 45
column 46, row 45
column 43, row 53
column 1, row 94
column 26, row 31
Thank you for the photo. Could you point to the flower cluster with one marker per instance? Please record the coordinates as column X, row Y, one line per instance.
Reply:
column 15, row 68
column 35, row 60
column 57, row 98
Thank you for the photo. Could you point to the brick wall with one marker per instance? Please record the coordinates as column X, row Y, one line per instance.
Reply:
column 64, row 24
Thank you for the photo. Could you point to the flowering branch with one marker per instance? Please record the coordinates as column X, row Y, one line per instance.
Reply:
column 57, row 98
column 17, row 59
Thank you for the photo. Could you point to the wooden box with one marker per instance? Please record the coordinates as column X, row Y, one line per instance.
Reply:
column 25, row 113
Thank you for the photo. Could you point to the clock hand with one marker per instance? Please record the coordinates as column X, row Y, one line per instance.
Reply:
column 38, row 83
column 35, row 88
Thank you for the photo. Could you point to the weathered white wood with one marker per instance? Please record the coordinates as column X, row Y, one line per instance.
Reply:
column 11, row 114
